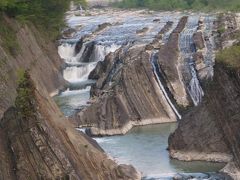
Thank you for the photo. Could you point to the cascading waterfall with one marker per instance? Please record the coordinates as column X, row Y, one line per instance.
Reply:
column 194, row 88
column 157, row 76
column 66, row 51
column 78, row 73
column 100, row 51
column 187, row 48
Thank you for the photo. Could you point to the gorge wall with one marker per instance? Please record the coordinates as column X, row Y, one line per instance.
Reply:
column 36, row 140
column 210, row 130
column 33, row 53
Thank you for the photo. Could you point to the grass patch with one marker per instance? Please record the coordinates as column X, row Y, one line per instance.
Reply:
column 230, row 57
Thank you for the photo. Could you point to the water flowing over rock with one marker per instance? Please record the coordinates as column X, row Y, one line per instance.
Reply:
column 213, row 124
column 145, row 71
column 210, row 130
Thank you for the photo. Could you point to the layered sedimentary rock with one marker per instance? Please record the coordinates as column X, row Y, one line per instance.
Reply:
column 34, row 53
column 41, row 144
column 210, row 131
column 149, row 83
column 36, row 140
column 169, row 61
column 126, row 94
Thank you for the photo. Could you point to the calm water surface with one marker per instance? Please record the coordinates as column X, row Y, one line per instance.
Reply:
column 145, row 148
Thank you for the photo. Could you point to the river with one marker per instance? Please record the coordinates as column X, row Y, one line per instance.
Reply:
column 144, row 147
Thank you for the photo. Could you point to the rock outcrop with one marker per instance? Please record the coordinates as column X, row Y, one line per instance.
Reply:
column 169, row 62
column 34, row 53
column 210, row 131
column 36, row 140
column 142, row 84
column 41, row 144
column 126, row 94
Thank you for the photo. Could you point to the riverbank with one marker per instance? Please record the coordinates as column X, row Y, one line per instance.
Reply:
column 145, row 147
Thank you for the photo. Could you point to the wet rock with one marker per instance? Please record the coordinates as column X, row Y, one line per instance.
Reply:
column 86, row 56
column 68, row 33
column 142, row 31
column 78, row 46
column 103, row 26
column 156, row 20
column 198, row 40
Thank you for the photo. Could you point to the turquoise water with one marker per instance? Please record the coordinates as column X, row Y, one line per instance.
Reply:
column 146, row 149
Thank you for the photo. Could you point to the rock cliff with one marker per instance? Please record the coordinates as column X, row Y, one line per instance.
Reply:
column 43, row 145
column 210, row 130
column 34, row 53
column 36, row 140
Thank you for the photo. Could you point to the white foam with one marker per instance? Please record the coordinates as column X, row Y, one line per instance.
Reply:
column 66, row 51
column 78, row 74
column 69, row 92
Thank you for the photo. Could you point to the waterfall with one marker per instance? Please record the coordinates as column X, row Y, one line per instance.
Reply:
column 157, row 75
column 76, row 74
column 187, row 49
column 195, row 90
column 77, row 58
column 78, row 71
column 100, row 51
column 66, row 51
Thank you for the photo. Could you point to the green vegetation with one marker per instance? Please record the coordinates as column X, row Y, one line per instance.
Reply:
column 230, row 57
column 46, row 15
column 206, row 5
column 25, row 95
column 8, row 38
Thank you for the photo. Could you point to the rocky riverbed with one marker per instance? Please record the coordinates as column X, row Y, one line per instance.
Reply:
column 134, row 68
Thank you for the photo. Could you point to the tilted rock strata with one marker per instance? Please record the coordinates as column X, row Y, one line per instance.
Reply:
column 35, row 54
column 43, row 145
column 169, row 62
column 212, row 127
column 126, row 94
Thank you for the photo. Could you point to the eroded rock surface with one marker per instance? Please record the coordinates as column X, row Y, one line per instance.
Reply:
column 34, row 53
column 209, row 131
column 41, row 144
column 126, row 94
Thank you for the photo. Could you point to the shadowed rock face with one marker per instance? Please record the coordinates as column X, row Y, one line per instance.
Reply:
column 41, row 144
column 210, row 131
column 213, row 127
